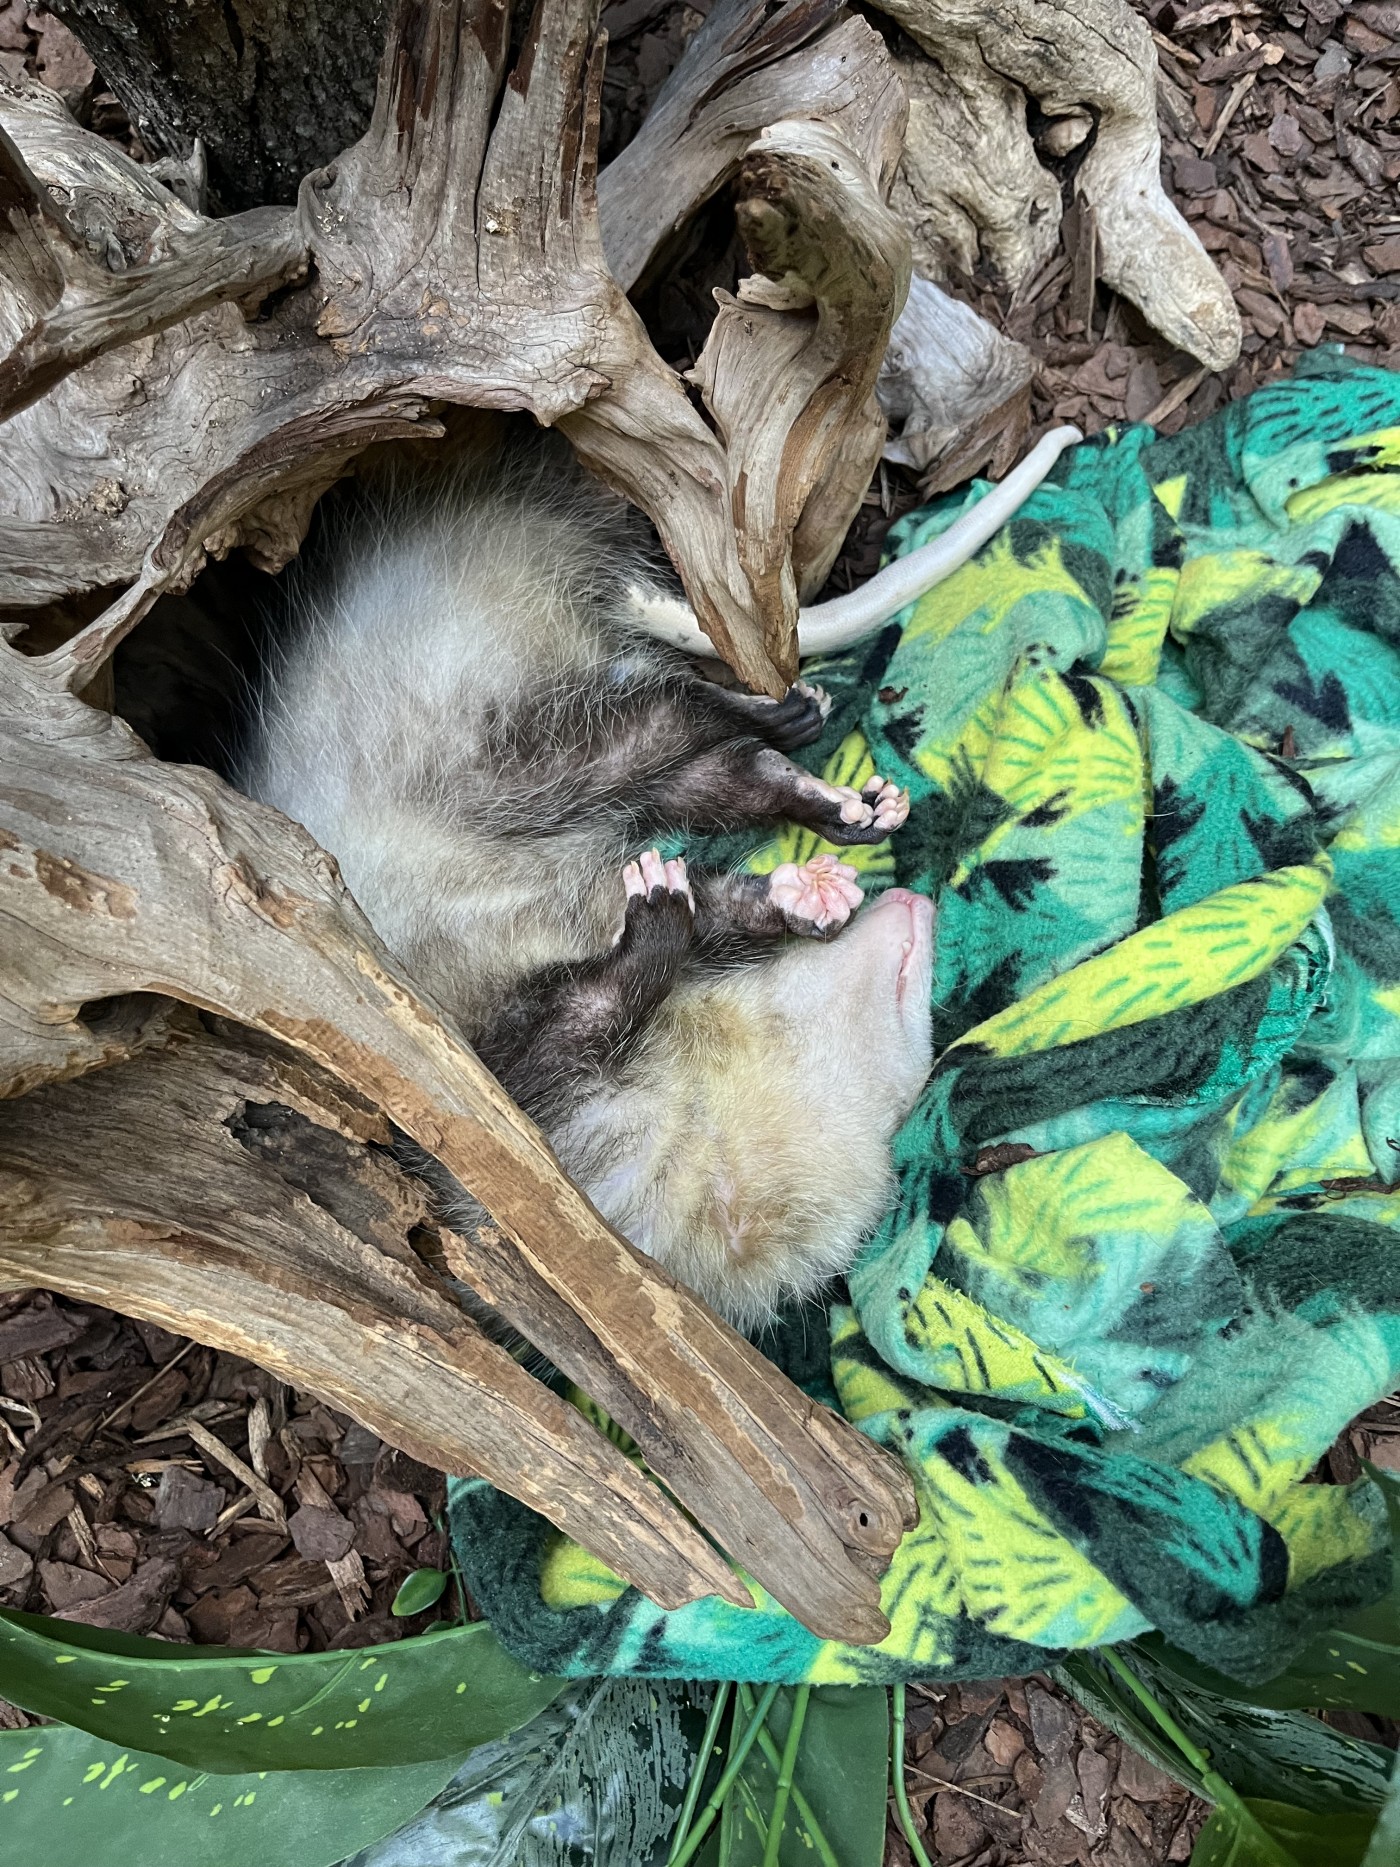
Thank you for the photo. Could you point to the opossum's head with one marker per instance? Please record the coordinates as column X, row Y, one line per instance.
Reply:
column 748, row 1147
column 856, row 1010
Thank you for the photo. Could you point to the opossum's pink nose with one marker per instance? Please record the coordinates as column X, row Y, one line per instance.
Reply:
column 916, row 909
column 919, row 905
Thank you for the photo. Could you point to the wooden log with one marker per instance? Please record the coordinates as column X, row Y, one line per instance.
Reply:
column 456, row 258
column 129, row 875
column 149, row 1187
column 272, row 88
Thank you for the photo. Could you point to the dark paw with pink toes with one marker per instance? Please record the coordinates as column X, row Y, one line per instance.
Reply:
column 795, row 720
column 845, row 815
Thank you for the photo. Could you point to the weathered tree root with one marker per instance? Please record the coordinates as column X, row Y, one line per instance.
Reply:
column 434, row 272
column 971, row 176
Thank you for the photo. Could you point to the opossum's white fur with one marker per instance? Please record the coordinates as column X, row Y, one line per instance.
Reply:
column 745, row 1143
column 748, row 1146
column 450, row 605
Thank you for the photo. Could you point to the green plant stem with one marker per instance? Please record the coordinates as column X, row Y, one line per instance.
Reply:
column 1214, row 1785
column 690, row 1846
column 901, row 1793
column 702, row 1763
column 816, row 1834
column 785, row 1770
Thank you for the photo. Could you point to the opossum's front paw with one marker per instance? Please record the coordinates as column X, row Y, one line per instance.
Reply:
column 864, row 816
column 658, row 899
column 818, row 897
column 797, row 719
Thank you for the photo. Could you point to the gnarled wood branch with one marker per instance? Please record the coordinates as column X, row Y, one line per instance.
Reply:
column 153, row 271
column 970, row 169
column 121, row 874
column 832, row 266
column 456, row 258
column 948, row 385
column 788, row 370
column 226, row 1192
column 747, row 67
column 450, row 263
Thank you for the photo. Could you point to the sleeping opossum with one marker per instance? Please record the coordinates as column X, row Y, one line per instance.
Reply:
column 465, row 710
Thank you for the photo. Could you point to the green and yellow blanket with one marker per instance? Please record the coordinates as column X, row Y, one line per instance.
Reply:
column 1152, row 738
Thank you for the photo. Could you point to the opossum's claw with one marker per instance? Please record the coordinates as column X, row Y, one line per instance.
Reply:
column 818, row 696
column 795, row 720
column 649, row 876
column 889, row 804
column 817, row 897
column 677, row 881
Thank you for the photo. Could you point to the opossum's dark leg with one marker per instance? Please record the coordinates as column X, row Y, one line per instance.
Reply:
column 602, row 749
column 795, row 720
column 569, row 1024
column 736, row 916
column 746, row 782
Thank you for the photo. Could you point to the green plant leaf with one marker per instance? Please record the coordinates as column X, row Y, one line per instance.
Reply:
column 1291, row 1838
column 1356, row 1665
column 438, row 1695
column 1384, row 1850
column 1284, row 1756
column 841, row 1777
column 68, row 1800
column 419, row 1591
column 598, row 1777
column 1105, row 1698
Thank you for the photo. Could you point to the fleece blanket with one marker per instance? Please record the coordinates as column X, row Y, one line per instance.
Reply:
column 1144, row 1264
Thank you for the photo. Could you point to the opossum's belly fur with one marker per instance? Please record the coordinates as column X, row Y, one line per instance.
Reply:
column 471, row 915
column 716, row 1159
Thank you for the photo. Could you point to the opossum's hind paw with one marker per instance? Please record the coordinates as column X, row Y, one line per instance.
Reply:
column 795, row 720
column 658, row 897
column 844, row 815
column 816, row 898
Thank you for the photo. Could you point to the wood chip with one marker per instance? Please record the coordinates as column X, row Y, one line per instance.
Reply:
column 185, row 1502
column 1285, row 135
column 1262, row 312
column 45, row 1508
column 260, row 1430
column 321, row 1535
column 1308, row 323
column 16, row 1564
column 137, row 1605
column 37, row 1329
column 269, row 1504
column 81, row 1531
column 1232, row 104
column 68, row 1586
column 1355, row 320
column 1195, row 176
column 145, row 1388
column 348, row 1574
column 1278, row 257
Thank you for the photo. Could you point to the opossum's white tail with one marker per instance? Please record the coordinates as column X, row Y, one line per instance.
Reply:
column 826, row 628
